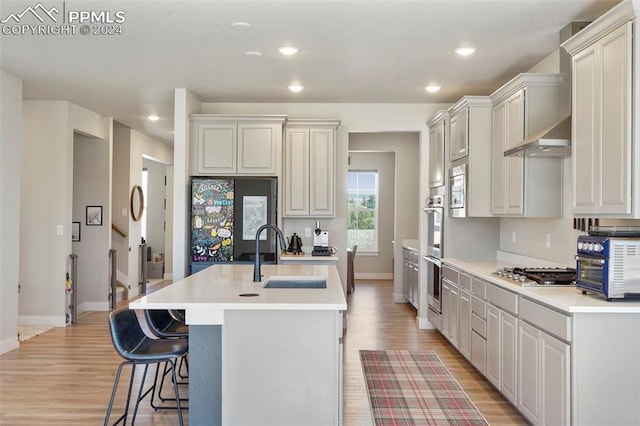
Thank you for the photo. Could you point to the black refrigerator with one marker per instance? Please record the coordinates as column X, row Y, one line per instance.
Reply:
column 225, row 215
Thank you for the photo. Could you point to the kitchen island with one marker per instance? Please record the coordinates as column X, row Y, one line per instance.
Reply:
column 560, row 356
column 260, row 355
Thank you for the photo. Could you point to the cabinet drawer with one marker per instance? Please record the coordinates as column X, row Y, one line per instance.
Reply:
column 464, row 281
column 479, row 288
column 435, row 319
column 547, row 319
column 478, row 325
column 479, row 307
column 450, row 274
column 502, row 298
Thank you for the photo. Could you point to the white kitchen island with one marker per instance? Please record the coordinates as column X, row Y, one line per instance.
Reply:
column 260, row 356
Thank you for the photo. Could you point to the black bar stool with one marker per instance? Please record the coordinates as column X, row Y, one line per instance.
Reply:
column 132, row 344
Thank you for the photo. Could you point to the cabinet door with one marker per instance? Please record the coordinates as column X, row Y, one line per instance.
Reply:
column 493, row 345
column 529, row 366
column 498, row 185
column 459, row 135
column 446, row 309
column 585, row 167
column 555, row 395
column 258, row 148
column 464, row 325
column 215, row 146
column 436, row 155
column 296, row 174
column 514, row 166
column 454, row 301
column 321, row 172
column 508, row 356
column 615, row 128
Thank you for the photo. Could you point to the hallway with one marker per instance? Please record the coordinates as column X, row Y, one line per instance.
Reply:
column 64, row 376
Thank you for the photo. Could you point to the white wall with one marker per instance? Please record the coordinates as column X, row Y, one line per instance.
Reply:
column 353, row 117
column 380, row 264
column 47, row 203
column 10, row 153
column 185, row 103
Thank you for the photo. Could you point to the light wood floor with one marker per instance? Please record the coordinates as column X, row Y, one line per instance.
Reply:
column 64, row 376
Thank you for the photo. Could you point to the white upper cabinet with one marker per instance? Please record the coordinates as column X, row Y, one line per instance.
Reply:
column 309, row 168
column 602, row 123
column 459, row 136
column 470, row 144
column 438, row 134
column 529, row 186
column 236, row 145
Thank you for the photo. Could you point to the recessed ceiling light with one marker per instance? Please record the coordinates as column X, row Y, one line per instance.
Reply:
column 254, row 54
column 432, row 88
column 153, row 117
column 466, row 51
column 241, row 25
column 288, row 50
column 296, row 87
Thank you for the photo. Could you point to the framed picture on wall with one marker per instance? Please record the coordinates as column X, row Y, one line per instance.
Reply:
column 75, row 231
column 94, row 215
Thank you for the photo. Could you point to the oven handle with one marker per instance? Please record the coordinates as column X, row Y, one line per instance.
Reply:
column 590, row 260
column 433, row 260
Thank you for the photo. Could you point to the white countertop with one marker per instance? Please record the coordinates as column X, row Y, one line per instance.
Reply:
column 411, row 244
column 207, row 294
column 568, row 299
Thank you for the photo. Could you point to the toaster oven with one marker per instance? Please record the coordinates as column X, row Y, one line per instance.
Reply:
column 608, row 266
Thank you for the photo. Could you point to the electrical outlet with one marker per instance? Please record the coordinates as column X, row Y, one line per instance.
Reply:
column 59, row 230
column 307, row 232
column 513, row 237
column 547, row 240
column 124, row 212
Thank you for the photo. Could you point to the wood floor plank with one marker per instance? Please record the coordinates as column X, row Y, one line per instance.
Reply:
column 64, row 376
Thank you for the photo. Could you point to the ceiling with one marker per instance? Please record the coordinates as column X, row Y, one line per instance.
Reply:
column 350, row 51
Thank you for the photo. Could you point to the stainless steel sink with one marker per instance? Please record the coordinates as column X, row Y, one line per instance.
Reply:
column 295, row 282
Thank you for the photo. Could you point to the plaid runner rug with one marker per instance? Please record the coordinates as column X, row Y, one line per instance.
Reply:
column 415, row 388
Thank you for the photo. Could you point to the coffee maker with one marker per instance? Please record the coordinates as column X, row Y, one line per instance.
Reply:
column 320, row 242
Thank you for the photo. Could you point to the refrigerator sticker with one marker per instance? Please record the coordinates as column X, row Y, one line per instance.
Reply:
column 212, row 220
column 254, row 215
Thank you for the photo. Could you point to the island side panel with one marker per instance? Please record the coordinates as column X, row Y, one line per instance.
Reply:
column 606, row 369
column 281, row 367
column 205, row 378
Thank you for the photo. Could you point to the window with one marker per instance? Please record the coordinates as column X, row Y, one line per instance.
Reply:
column 362, row 209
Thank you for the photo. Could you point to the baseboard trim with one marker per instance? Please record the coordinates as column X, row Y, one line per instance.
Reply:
column 93, row 306
column 399, row 298
column 424, row 324
column 9, row 344
column 51, row 320
column 373, row 276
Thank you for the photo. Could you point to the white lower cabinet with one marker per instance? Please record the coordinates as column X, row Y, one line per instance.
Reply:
column 544, row 360
column 493, row 345
column 464, row 324
column 445, row 297
column 502, row 337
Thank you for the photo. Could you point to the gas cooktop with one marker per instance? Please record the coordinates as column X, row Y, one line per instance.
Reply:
column 532, row 277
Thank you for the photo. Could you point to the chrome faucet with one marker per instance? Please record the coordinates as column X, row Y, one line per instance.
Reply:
column 256, row 264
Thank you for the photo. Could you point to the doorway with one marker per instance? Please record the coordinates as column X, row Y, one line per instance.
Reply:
column 153, row 224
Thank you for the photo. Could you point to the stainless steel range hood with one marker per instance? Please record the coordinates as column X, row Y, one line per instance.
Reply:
column 554, row 141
